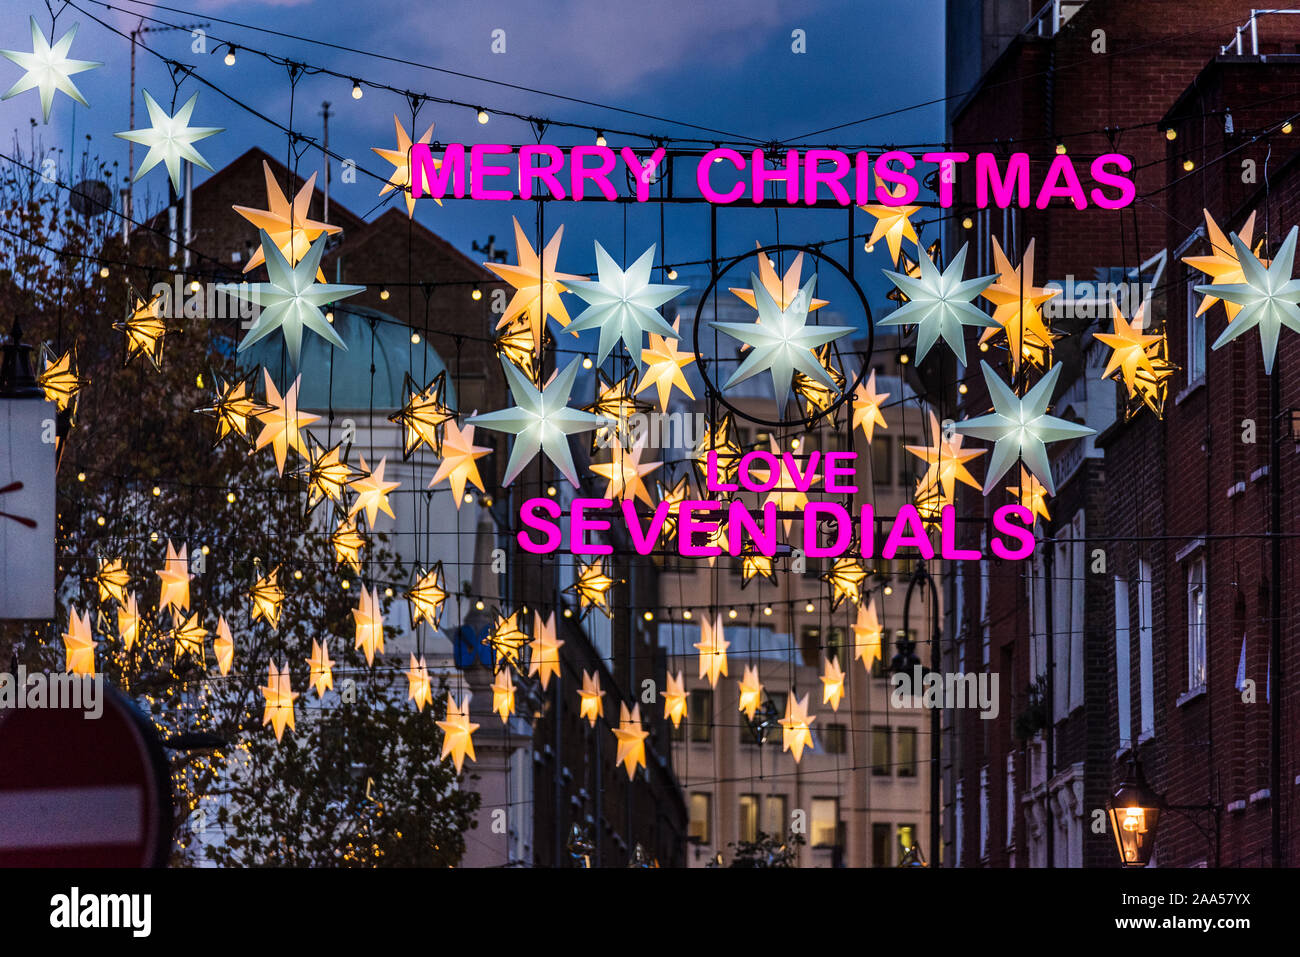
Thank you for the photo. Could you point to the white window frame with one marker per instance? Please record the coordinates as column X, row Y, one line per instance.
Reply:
column 1195, row 332
column 1123, row 664
column 1197, row 624
column 1146, row 667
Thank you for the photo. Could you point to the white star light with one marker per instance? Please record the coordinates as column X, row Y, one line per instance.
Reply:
column 1021, row 428
column 623, row 304
column 170, row 139
column 48, row 69
column 292, row 299
column 781, row 341
column 541, row 420
column 1268, row 298
column 939, row 303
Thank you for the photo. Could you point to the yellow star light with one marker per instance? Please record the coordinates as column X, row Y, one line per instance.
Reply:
column 233, row 406
column 1222, row 265
column 866, row 407
column 267, row 597
column 1031, row 494
column 893, row 223
column 282, row 422
column 79, row 644
column 845, row 578
column 1018, row 308
column 754, row 564
column 545, row 660
column 128, row 622
column 145, row 329
column 518, row 346
column 187, row 638
column 591, row 701
column 712, row 647
column 280, row 696
column 372, row 493
column 816, row 396
column 424, row 415
column 868, row 635
column 175, row 576
column 796, row 731
column 59, row 379
column 369, row 618
column 946, row 460
column 625, row 474
column 286, row 223
column 782, row 289
column 537, row 284
column 224, row 646
column 426, row 597
column 401, row 160
column 720, row 438
column 503, row 694
column 1152, row 388
column 327, row 475
column 507, row 640
column 675, row 699
column 112, row 579
column 457, row 732
column 832, row 684
column 664, row 363
column 631, row 739
column 751, row 692
column 348, row 543
column 592, row 587
column 616, row 401
column 320, row 668
column 48, row 68
column 459, row 462
column 418, row 687
column 1130, row 347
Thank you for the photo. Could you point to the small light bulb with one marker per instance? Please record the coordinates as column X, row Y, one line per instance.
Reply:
column 672, row 273
column 794, row 444
column 230, row 497
column 100, row 520
column 297, row 574
column 469, row 498
column 415, row 338
column 477, row 294
column 1171, row 134
column 809, row 608
column 153, row 536
column 551, row 490
column 329, row 316
column 767, row 610
column 586, row 362
column 103, row 272
column 156, row 491
column 1188, row 164
column 687, row 614
column 198, row 380
column 230, row 56
column 962, row 389
column 205, row 549
column 344, row 585
column 731, row 613
column 868, row 246
column 967, row 222
column 388, row 592
column 479, row 605
column 600, row 138
column 984, row 347
column 649, row 616
column 195, row 286
column 1287, row 127
column 482, row 117
column 356, row 90
column 383, row 294
column 81, row 476
column 1060, row 149
column 903, row 359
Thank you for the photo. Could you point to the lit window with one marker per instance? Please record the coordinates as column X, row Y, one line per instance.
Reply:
column 774, row 815
column 880, row 751
column 700, row 817
column 749, row 817
column 825, row 822
column 907, row 752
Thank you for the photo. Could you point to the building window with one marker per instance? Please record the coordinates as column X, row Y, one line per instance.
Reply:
column 810, row 643
column 1196, row 610
column 774, row 815
column 699, row 830
column 835, row 739
column 1146, row 668
column 907, row 462
column 749, row 817
column 880, row 846
column 1010, row 823
column 958, row 825
column 882, row 467
column 700, row 714
column 1123, row 663
column 907, row 752
column 880, row 751
column 778, row 699
column 1195, row 332
column 984, row 812
column 825, row 822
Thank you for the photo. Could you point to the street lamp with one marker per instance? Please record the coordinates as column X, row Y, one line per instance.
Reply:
column 1134, row 812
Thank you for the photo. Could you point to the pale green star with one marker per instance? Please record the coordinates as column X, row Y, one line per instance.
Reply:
column 48, row 69
column 1021, row 428
column 781, row 340
column 170, row 139
column 623, row 304
column 939, row 303
column 292, row 299
column 1268, row 298
column 540, row 420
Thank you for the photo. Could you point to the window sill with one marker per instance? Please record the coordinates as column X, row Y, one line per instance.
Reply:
column 1189, row 696
column 1192, row 387
column 1144, row 737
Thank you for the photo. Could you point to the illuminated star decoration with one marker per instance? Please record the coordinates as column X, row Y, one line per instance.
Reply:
column 424, row 415
column 625, row 473
column 457, row 732
column 592, row 586
column 910, row 267
column 720, row 438
column 1268, row 298
column 868, row 635
column 675, row 699
column 503, row 694
column 939, row 304
column 369, row 618
column 866, row 407
column 517, row 345
column 664, row 363
column 753, row 564
column 224, row 646
column 1018, row 309
column 285, row 223
column 615, row 402
column 631, row 739
column 128, row 622
column 79, row 644
column 267, row 597
column 145, row 329
column 233, row 406
column 59, row 379
column 545, row 659
column 372, row 492
column 418, row 687
column 845, row 577
column 401, row 160
column 320, row 668
column 506, row 639
column 796, row 733
column 1031, row 494
column 187, row 638
column 540, row 420
column 623, row 305
column 280, row 696
column 712, row 647
column 893, row 223
column 832, row 678
column 347, row 543
column 591, row 701
column 1020, row 428
column 48, row 69
column 327, row 475
column 751, row 692
column 291, row 301
column 783, row 290
column 781, row 341
column 112, row 579
column 817, row 397
column 170, row 139
column 1135, row 357
column 175, row 576
column 1222, row 265
column 945, row 461
column 282, row 422
column 537, row 285
column 426, row 597
column 459, row 463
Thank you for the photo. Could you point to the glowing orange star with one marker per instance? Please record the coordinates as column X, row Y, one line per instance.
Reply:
column 286, row 223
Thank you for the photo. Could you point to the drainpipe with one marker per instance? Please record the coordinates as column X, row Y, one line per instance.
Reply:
column 1049, row 587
